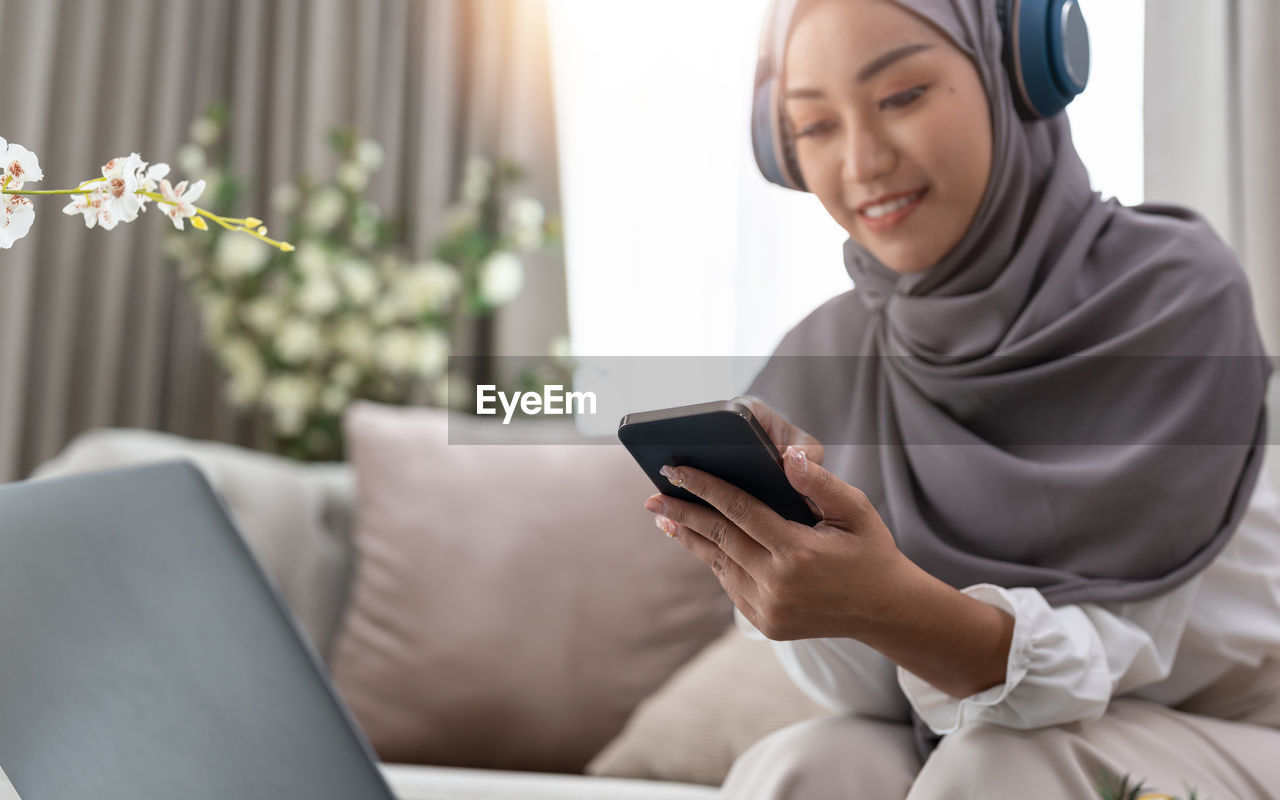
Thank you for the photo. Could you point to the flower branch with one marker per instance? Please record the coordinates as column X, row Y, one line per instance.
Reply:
column 127, row 184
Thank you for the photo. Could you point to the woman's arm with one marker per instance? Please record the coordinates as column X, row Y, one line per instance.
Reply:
column 843, row 578
column 1065, row 663
column 952, row 641
column 846, row 579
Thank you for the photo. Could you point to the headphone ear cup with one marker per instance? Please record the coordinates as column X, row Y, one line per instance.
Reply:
column 773, row 147
column 789, row 157
column 1006, row 13
column 762, row 144
column 1045, row 53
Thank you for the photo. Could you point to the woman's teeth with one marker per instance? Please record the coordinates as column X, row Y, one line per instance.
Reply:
column 877, row 211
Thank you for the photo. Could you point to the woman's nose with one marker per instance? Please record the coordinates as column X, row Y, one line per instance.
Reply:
column 868, row 155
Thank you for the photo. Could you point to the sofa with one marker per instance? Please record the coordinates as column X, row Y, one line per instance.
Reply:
column 502, row 617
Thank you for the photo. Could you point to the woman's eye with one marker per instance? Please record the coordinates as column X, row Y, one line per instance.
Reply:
column 814, row 129
column 903, row 99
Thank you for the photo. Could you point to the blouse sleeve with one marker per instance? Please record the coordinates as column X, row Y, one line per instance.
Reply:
column 1065, row 663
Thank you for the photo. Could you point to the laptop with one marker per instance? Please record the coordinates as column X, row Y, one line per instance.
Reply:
column 144, row 655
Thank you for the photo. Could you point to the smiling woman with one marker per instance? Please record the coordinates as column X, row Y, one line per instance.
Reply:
column 640, row 98
column 1040, row 478
column 899, row 154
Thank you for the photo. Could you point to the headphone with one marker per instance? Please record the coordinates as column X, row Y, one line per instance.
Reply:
column 1045, row 53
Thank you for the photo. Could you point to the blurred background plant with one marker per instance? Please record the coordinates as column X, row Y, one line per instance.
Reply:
column 351, row 313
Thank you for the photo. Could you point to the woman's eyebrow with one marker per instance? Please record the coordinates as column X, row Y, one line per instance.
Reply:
column 874, row 67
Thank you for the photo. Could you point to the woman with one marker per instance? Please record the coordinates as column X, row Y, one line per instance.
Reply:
column 1034, row 431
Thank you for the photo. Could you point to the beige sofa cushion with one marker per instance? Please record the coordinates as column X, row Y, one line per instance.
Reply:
column 715, row 707
column 512, row 603
column 286, row 511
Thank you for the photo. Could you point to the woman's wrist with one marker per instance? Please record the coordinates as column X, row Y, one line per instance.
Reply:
column 956, row 643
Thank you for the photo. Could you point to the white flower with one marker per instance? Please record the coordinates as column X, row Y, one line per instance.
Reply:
column 326, row 208
column 402, row 351
column 359, row 281
column 240, row 255
column 334, row 398
column 385, row 311
column 18, row 165
column 526, row 217
column 263, row 314
column 397, row 350
column 311, row 259
column 318, row 296
column 245, row 368
column 501, row 278
column 352, row 176
column 427, row 287
column 191, row 159
column 285, row 197
column 151, row 180
column 432, row 354
column 291, row 398
column 369, row 154
column 298, row 341
column 91, row 206
column 204, row 131
column 180, row 200
column 16, row 216
column 354, row 340
column 345, row 374
column 560, row 350
column 475, row 180
column 118, row 193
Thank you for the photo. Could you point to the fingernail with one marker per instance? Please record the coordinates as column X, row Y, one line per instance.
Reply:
column 672, row 474
column 798, row 460
column 667, row 526
column 655, row 505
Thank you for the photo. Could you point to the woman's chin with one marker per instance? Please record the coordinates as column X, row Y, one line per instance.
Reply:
column 905, row 263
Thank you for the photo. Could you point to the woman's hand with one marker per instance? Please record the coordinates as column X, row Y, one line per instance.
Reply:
column 781, row 432
column 844, row 577
column 790, row 581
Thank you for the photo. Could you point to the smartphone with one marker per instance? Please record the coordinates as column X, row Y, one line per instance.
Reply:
column 722, row 438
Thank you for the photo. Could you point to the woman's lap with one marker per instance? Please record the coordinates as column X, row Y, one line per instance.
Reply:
column 848, row 756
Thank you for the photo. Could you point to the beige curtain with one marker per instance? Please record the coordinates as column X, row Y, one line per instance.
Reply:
column 95, row 329
column 1212, row 124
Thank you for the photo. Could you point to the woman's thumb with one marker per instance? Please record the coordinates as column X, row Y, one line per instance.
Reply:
column 832, row 496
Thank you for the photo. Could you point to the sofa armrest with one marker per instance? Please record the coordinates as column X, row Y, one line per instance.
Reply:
column 295, row 517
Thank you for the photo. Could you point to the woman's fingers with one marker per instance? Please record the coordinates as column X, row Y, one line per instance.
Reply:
column 782, row 432
column 737, row 582
column 712, row 526
column 752, row 517
column 839, row 503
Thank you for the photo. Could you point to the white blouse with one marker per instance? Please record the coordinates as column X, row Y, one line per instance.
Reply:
column 1066, row 663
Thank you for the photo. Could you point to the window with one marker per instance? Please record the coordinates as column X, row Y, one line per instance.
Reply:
column 674, row 243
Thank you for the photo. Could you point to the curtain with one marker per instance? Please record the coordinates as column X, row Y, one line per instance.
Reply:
column 1212, row 121
column 95, row 327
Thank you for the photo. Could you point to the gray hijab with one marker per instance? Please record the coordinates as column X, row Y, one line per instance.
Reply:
column 1071, row 400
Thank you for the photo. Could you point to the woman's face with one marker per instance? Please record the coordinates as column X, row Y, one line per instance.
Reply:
column 892, row 128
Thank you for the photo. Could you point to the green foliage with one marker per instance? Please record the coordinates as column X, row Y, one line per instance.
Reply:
column 1127, row 788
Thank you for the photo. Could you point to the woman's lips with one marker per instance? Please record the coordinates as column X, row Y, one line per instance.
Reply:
column 894, row 218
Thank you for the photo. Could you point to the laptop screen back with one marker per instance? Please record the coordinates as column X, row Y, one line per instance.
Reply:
column 144, row 656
